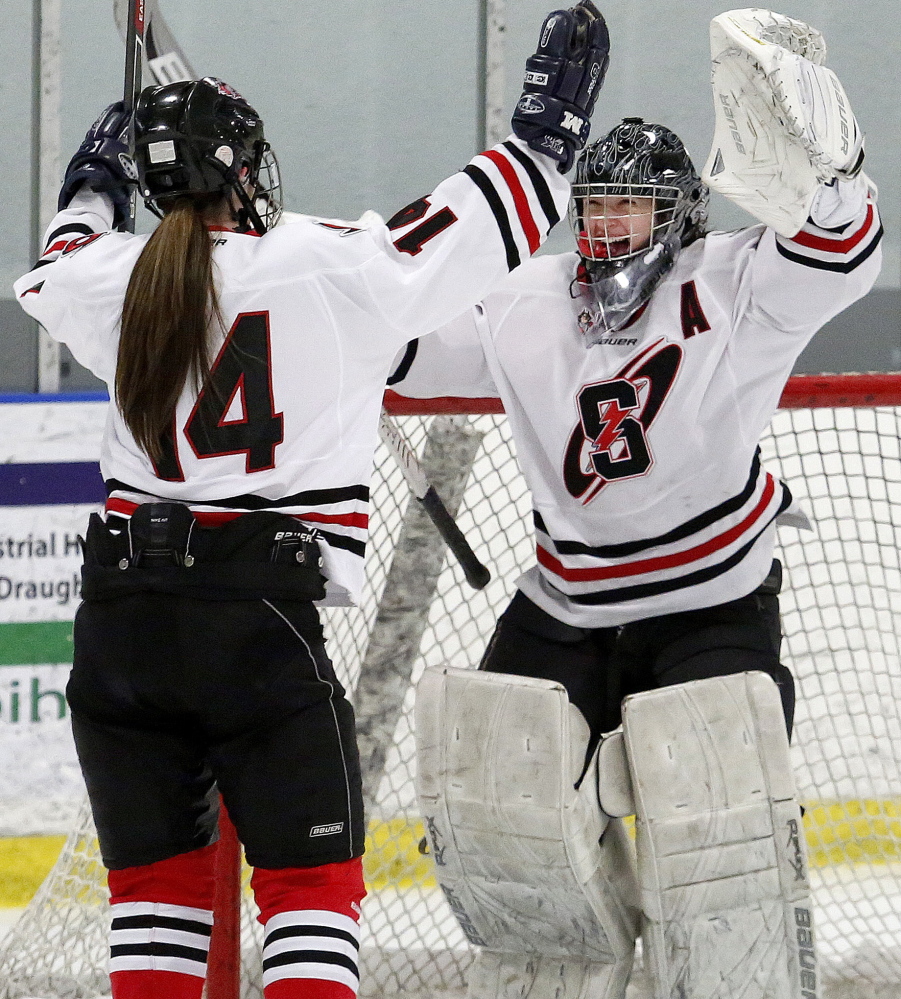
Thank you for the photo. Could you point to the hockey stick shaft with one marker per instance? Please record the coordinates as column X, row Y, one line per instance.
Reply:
column 477, row 574
column 134, row 53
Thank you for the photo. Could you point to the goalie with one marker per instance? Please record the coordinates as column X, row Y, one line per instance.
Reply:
column 638, row 375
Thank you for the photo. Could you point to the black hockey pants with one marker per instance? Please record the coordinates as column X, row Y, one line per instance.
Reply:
column 174, row 695
column 600, row 666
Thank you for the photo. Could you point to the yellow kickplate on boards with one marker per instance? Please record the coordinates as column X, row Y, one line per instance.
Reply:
column 864, row 831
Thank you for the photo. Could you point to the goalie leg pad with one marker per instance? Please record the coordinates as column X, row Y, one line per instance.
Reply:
column 721, row 853
column 495, row 975
column 529, row 864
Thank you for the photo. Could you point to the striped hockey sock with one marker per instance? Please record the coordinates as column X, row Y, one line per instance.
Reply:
column 161, row 922
column 312, row 935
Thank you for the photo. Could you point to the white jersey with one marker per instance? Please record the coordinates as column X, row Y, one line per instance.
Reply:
column 313, row 314
column 641, row 451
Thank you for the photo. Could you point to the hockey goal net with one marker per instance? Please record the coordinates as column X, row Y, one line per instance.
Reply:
column 836, row 442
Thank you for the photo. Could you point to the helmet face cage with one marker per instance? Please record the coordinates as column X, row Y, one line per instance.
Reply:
column 267, row 196
column 636, row 160
column 199, row 138
column 617, row 221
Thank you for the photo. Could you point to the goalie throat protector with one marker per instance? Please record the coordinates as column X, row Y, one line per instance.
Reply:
column 195, row 138
column 636, row 160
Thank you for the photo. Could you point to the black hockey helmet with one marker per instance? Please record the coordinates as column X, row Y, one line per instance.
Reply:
column 198, row 137
column 636, row 159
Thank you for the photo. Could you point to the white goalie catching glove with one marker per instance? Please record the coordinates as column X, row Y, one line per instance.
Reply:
column 784, row 125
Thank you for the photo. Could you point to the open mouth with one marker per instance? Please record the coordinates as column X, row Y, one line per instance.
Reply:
column 603, row 249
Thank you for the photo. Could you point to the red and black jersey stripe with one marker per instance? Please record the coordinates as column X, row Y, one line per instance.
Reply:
column 658, row 587
column 301, row 505
column 685, row 530
column 743, row 517
column 59, row 239
column 515, row 176
column 838, row 250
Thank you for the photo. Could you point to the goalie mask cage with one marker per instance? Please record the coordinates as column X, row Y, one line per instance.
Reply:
column 836, row 443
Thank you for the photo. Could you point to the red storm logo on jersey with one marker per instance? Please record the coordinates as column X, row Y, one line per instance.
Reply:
column 609, row 443
column 74, row 245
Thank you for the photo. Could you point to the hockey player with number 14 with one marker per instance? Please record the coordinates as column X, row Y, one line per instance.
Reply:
column 638, row 375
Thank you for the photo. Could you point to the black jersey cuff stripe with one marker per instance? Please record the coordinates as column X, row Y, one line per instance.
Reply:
column 310, row 957
column 679, row 533
column 839, row 229
column 151, row 921
column 480, row 179
column 542, row 191
column 158, row 948
column 310, row 931
column 310, row 497
column 403, row 369
column 644, row 590
column 840, row 267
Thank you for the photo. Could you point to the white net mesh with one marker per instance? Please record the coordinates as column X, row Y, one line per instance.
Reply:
column 841, row 605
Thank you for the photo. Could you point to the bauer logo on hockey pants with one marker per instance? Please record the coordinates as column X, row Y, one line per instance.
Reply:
column 331, row 829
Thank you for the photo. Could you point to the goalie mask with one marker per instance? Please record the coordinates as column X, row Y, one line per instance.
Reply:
column 637, row 200
column 200, row 137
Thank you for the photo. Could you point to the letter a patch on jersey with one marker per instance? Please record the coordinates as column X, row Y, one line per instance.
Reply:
column 693, row 318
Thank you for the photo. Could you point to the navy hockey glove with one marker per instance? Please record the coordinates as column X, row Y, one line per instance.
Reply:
column 562, row 83
column 102, row 161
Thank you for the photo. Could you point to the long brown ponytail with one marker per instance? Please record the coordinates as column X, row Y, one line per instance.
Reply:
column 169, row 306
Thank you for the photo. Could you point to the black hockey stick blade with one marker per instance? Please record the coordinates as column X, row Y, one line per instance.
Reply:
column 477, row 575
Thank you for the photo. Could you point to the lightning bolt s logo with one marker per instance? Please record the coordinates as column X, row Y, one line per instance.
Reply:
column 619, row 449
column 609, row 443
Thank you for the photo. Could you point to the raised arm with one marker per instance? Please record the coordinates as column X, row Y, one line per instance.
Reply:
column 445, row 251
column 788, row 149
